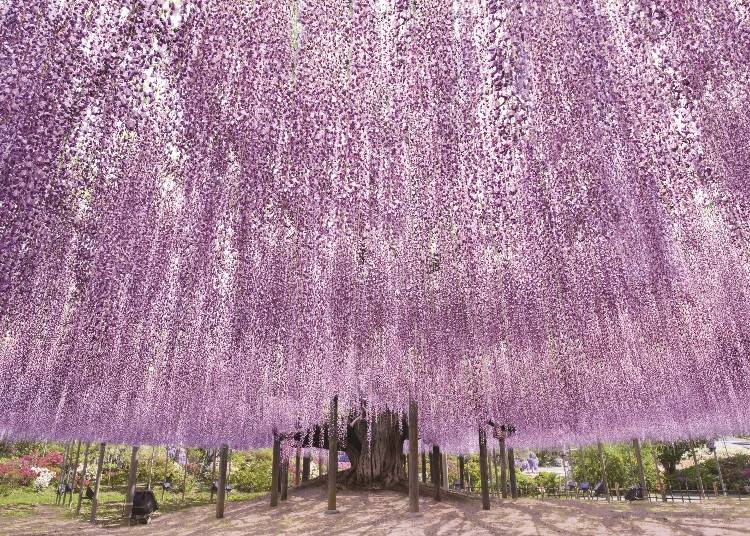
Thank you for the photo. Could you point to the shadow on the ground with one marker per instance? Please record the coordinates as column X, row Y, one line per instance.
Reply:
column 385, row 512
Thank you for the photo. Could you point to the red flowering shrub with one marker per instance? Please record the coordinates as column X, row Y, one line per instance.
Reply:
column 18, row 471
column 49, row 460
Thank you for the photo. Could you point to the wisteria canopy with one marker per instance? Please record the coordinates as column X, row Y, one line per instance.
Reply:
column 216, row 215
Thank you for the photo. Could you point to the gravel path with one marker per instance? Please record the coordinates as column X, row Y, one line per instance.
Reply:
column 385, row 513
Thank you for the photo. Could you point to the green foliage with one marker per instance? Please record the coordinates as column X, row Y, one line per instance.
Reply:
column 734, row 469
column 523, row 480
column 21, row 448
column 549, row 481
column 174, row 472
column 251, row 470
column 621, row 463
column 548, row 458
column 671, row 454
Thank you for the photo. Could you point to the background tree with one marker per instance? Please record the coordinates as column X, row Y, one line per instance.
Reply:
column 671, row 454
column 621, row 465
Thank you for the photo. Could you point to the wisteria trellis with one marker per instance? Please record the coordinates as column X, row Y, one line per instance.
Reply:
column 215, row 215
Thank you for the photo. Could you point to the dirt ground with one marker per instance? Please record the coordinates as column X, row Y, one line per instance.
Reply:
column 385, row 513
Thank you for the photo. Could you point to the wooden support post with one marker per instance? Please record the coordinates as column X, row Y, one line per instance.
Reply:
column 436, row 476
column 483, row 469
column 333, row 454
column 99, row 465
column 132, row 482
column 166, row 470
column 603, row 465
column 641, row 470
column 213, row 475
column 297, row 468
column 63, row 470
column 413, row 454
column 503, row 472
column 275, row 465
column 72, row 476
column 424, row 467
column 512, row 471
column 83, row 477
column 221, row 487
column 701, row 492
column 285, row 480
column 461, row 472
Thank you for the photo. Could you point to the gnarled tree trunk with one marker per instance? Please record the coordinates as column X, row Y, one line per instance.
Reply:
column 377, row 459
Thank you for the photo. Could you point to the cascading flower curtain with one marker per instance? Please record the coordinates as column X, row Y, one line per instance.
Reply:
column 215, row 216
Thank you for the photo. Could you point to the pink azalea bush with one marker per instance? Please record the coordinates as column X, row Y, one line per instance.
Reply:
column 25, row 469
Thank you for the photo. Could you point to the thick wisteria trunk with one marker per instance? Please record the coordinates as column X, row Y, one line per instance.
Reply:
column 376, row 459
column 461, row 472
column 306, row 467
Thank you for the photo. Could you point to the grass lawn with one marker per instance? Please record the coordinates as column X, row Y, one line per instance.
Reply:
column 20, row 502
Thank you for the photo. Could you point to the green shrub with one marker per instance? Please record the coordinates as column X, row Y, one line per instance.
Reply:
column 621, row 463
column 550, row 481
column 251, row 470
column 733, row 469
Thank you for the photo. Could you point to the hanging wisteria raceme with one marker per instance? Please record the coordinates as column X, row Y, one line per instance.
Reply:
column 215, row 216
